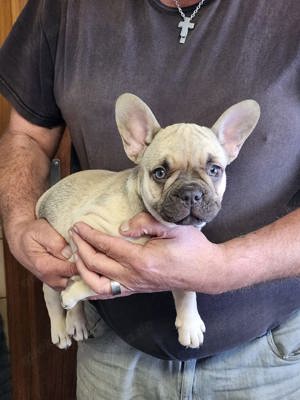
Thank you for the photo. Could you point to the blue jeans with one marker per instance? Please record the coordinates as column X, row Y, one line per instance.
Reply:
column 267, row 368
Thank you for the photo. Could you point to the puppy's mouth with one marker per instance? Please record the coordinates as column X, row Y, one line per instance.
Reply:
column 190, row 220
column 189, row 217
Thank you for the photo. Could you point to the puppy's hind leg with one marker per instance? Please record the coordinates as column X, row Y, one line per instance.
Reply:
column 76, row 323
column 59, row 335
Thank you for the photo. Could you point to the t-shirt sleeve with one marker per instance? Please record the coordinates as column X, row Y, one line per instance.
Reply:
column 27, row 61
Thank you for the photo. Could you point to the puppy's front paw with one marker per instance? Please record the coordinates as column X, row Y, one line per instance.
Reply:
column 76, row 324
column 190, row 331
column 59, row 335
column 68, row 300
column 75, row 291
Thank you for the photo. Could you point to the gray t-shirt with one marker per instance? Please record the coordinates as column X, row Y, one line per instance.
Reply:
column 68, row 61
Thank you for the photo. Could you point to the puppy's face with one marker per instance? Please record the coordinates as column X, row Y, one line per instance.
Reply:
column 182, row 175
column 181, row 168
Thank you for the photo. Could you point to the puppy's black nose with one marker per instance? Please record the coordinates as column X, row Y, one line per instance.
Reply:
column 190, row 196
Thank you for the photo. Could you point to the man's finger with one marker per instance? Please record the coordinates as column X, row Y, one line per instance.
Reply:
column 99, row 284
column 61, row 268
column 59, row 284
column 144, row 224
column 116, row 248
column 52, row 241
column 93, row 280
column 95, row 261
column 70, row 269
column 67, row 252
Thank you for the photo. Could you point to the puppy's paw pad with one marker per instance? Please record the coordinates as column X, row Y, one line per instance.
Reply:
column 190, row 332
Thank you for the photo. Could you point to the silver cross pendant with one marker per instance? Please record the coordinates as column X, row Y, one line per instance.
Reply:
column 185, row 25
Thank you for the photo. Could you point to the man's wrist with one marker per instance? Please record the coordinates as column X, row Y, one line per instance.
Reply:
column 12, row 225
column 214, row 274
column 244, row 261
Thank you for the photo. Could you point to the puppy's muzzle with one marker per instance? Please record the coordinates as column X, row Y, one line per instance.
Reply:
column 190, row 196
column 189, row 204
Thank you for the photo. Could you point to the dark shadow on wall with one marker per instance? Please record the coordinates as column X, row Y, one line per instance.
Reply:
column 5, row 379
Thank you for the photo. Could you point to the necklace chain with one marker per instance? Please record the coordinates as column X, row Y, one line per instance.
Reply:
column 193, row 13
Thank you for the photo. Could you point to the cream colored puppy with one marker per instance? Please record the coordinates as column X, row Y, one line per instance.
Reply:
column 179, row 179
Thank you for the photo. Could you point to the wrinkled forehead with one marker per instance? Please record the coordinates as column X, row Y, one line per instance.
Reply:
column 186, row 146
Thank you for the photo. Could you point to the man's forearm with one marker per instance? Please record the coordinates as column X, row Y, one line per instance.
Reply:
column 272, row 252
column 24, row 168
column 25, row 155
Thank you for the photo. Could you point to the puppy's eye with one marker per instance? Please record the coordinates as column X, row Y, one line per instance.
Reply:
column 214, row 170
column 159, row 173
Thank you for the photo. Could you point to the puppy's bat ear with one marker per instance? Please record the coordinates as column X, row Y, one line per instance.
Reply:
column 136, row 123
column 235, row 125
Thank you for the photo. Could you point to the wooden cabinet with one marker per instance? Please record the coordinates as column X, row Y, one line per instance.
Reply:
column 39, row 370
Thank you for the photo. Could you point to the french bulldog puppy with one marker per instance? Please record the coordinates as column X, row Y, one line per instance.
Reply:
column 179, row 178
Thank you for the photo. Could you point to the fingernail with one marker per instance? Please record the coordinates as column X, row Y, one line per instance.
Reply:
column 73, row 231
column 67, row 252
column 124, row 227
column 74, row 227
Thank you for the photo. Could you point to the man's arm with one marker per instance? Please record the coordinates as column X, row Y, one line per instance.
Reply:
column 183, row 258
column 25, row 153
column 272, row 252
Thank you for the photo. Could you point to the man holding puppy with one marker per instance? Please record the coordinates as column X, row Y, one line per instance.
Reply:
column 67, row 62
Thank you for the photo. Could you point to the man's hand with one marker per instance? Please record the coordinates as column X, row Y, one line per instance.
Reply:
column 182, row 257
column 38, row 247
column 179, row 257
